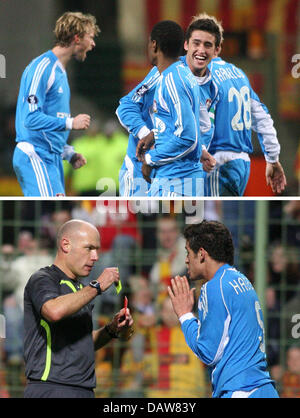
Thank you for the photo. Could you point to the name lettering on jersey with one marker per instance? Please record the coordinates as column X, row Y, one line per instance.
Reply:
column 224, row 74
column 241, row 285
column 62, row 115
column 296, row 68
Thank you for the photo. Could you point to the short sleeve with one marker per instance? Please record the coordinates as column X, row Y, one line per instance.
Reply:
column 40, row 289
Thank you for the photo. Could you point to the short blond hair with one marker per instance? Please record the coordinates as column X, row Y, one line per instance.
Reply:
column 74, row 23
column 207, row 23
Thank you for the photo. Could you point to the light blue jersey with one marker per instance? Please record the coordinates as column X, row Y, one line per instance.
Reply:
column 178, row 147
column 208, row 98
column 42, row 126
column 229, row 333
column 238, row 111
column 135, row 115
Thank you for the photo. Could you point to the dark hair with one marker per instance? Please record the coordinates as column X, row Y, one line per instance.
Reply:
column 169, row 38
column 208, row 24
column 214, row 237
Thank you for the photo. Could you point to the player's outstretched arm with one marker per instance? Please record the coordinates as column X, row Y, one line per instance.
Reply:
column 275, row 177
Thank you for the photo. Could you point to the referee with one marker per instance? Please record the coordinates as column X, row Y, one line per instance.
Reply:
column 59, row 342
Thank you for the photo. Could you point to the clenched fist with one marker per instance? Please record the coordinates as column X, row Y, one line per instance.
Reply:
column 108, row 277
column 81, row 122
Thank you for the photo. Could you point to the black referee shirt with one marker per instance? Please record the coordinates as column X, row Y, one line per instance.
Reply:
column 60, row 352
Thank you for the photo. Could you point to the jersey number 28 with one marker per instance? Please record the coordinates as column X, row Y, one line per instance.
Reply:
column 241, row 121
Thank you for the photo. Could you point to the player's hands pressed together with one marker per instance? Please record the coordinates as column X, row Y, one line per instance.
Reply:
column 181, row 295
column 275, row 177
column 78, row 161
column 109, row 276
column 144, row 145
column 81, row 121
column 208, row 161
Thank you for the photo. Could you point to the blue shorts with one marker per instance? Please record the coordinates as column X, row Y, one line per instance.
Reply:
column 164, row 187
column 229, row 179
column 130, row 185
column 39, row 172
column 266, row 391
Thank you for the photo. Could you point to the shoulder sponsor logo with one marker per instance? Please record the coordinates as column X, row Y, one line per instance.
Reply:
column 32, row 99
column 142, row 90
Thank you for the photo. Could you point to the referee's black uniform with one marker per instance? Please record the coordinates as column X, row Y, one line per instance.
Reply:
column 59, row 356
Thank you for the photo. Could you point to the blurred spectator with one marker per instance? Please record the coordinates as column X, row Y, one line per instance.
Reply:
column 239, row 219
column 213, row 210
column 284, row 272
column 104, row 152
column 292, row 211
column 171, row 255
column 175, row 372
column 290, row 382
column 134, row 373
column 273, row 328
column 51, row 222
column 32, row 256
column 8, row 280
column 141, row 301
column 7, row 144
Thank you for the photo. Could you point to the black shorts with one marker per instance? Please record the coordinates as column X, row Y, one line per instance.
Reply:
column 36, row 389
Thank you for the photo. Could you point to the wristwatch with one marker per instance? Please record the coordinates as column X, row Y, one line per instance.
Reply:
column 96, row 285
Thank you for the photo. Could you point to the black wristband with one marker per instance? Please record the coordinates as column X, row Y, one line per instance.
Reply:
column 110, row 332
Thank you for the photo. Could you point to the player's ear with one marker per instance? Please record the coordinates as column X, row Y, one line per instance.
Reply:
column 201, row 255
column 218, row 51
column 185, row 45
column 76, row 39
column 65, row 245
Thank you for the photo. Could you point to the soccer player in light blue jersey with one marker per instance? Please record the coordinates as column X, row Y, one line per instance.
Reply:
column 43, row 119
column 135, row 111
column 176, row 153
column 237, row 111
column 228, row 335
